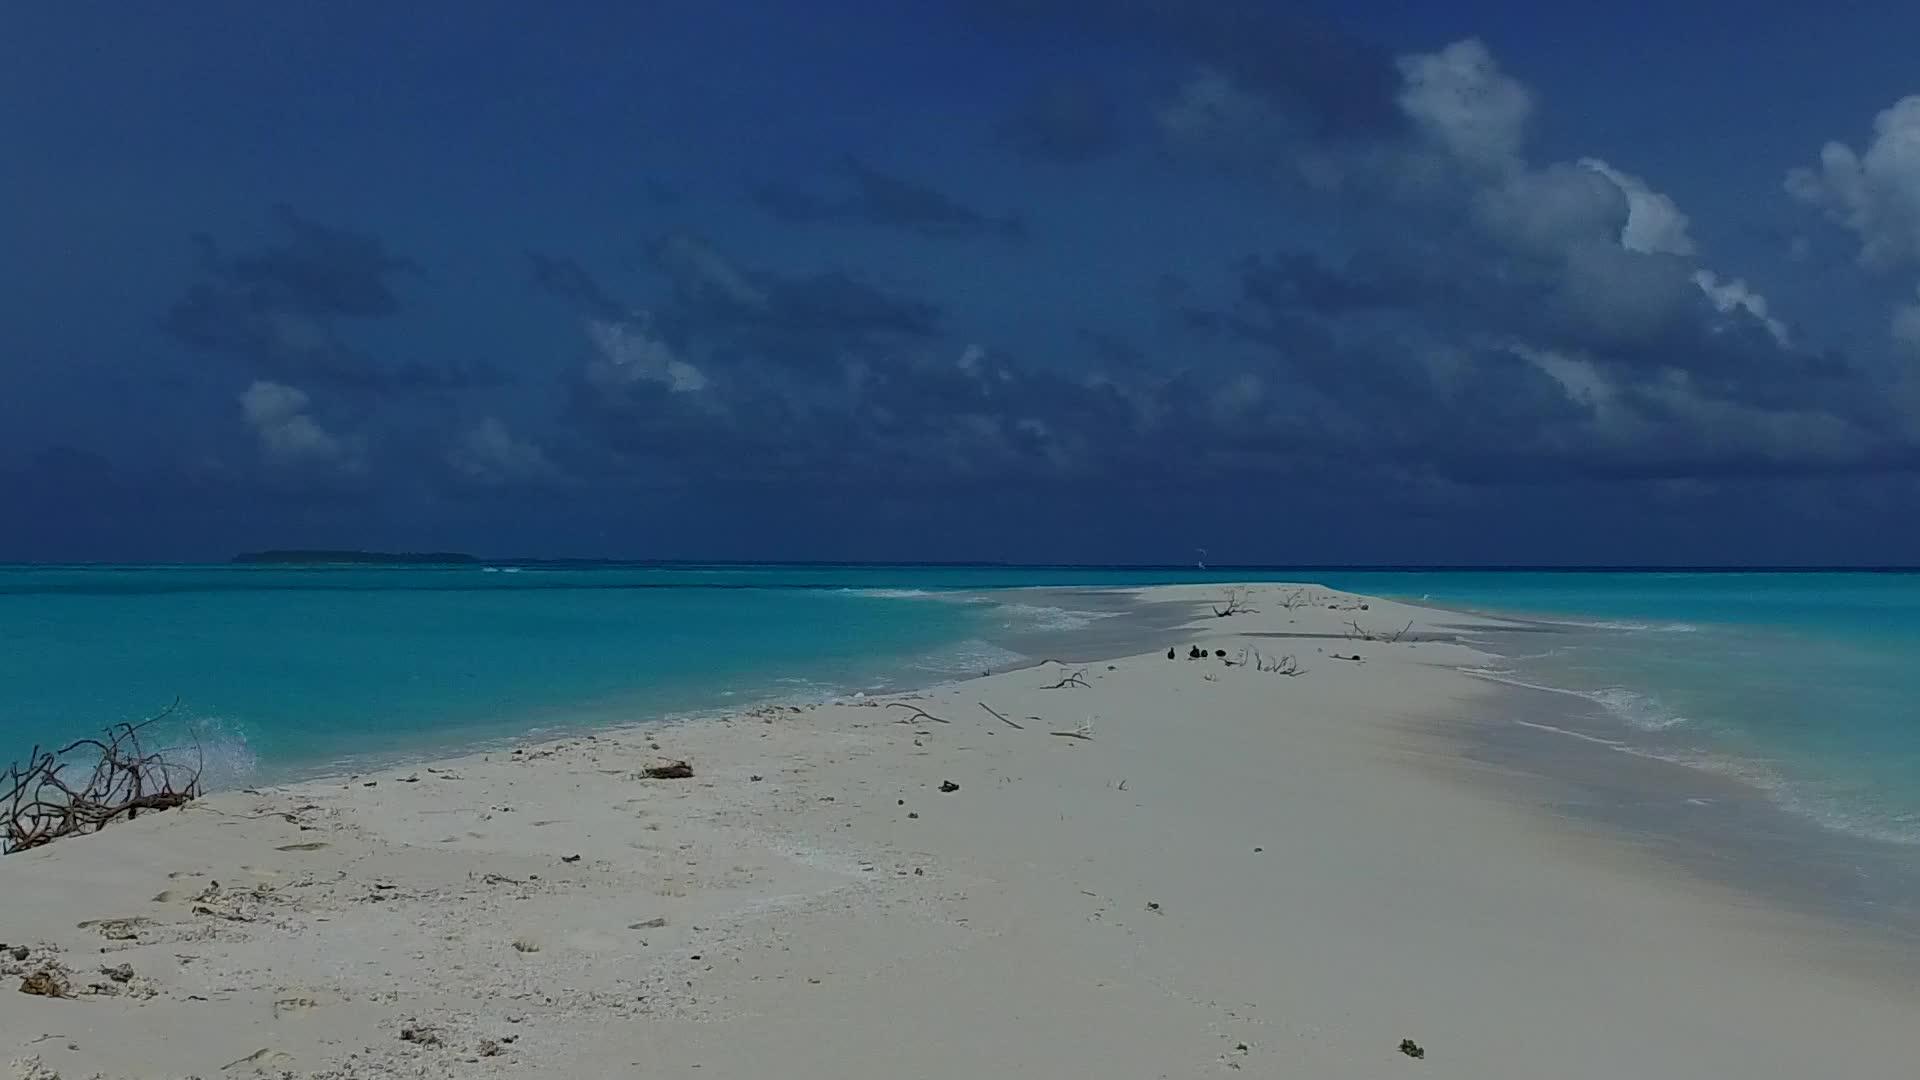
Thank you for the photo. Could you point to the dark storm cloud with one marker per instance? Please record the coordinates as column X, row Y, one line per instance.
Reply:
column 318, row 270
column 785, row 381
column 872, row 196
column 719, row 369
column 279, row 309
column 1495, row 323
column 711, row 294
column 1380, row 332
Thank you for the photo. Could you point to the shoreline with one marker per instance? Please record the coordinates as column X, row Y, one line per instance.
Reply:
column 901, row 674
column 1232, row 869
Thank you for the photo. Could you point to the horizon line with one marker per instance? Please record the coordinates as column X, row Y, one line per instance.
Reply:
column 462, row 559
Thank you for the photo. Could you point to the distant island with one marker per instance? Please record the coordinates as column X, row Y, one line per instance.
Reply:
column 301, row 557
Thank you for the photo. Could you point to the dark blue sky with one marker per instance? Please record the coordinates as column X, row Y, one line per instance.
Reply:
column 989, row 279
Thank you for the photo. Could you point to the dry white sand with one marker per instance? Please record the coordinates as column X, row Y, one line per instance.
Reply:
column 1237, row 871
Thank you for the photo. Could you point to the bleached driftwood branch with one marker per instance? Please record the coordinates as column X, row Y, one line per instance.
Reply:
column 123, row 780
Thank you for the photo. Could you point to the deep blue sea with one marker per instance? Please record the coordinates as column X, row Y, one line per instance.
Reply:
column 1804, row 684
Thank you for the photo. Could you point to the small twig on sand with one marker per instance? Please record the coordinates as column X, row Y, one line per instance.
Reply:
column 1000, row 716
column 1078, row 678
column 1084, row 731
column 918, row 713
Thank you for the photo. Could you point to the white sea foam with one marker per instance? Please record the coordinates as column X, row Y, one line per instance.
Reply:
column 1044, row 617
column 226, row 761
column 1631, row 707
column 968, row 657
column 891, row 594
column 1798, row 797
column 1623, row 625
column 1611, row 744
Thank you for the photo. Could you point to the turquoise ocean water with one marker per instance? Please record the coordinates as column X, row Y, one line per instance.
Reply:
column 1802, row 684
column 1805, row 685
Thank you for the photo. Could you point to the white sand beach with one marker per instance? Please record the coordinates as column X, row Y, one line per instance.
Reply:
column 1182, row 868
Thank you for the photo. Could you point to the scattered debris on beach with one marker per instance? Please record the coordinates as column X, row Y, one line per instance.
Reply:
column 672, row 770
column 1075, row 679
column 1412, row 1049
column 917, row 713
column 1000, row 716
column 47, row 982
column 421, row 1034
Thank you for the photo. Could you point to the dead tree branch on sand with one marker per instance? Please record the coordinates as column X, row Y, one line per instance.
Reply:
column 1282, row 665
column 1236, row 605
column 918, row 713
column 1078, row 678
column 1000, row 716
column 42, row 805
column 1296, row 599
column 1355, row 633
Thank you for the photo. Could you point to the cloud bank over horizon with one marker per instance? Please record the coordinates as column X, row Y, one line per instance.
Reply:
column 1242, row 276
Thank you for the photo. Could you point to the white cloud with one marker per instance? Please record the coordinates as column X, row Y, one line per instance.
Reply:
column 1875, row 194
column 1667, row 412
column 1734, row 295
column 1549, row 211
column 631, row 354
column 489, row 454
column 1462, row 99
column 1906, row 323
column 973, row 363
column 1654, row 221
column 277, row 413
column 1591, row 215
column 1579, row 378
